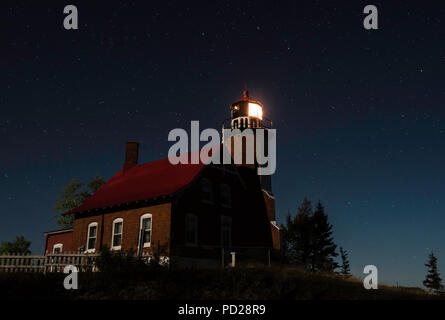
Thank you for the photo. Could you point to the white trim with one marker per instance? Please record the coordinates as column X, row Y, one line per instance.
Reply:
column 266, row 192
column 92, row 224
column 145, row 216
column 274, row 223
column 117, row 220
column 58, row 246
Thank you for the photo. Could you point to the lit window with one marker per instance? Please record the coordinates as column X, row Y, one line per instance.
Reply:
column 207, row 192
column 255, row 110
column 226, row 198
column 226, row 231
column 91, row 237
column 191, row 229
column 145, row 230
column 116, row 237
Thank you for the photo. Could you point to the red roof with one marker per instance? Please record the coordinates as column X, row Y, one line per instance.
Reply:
column 141, row 182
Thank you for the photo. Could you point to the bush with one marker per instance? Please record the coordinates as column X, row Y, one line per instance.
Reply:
column 112, row 263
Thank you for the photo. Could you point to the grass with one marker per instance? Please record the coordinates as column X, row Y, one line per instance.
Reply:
column 256, row 283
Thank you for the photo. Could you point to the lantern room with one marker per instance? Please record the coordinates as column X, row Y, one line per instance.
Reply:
column 246, row 113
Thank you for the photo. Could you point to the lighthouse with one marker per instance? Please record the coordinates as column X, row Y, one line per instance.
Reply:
column 246, row 118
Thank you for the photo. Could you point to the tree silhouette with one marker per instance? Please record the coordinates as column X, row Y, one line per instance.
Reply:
column 345, row 268
column 18, row 246
column 297, row 235
column 287, row 234
column 73, row 195
column 307, row 239
column 432, row 279
column 323, row 248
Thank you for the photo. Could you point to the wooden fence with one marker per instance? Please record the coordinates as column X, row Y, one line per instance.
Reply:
column 49, row 262
column 56, row 262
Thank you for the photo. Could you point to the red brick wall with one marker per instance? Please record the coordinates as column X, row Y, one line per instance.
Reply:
column 161, row 222
column 276, row 241
column 270, row 205
column 65, row 238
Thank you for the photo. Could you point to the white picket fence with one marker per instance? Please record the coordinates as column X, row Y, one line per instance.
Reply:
column 55, row 262
column 49, row 262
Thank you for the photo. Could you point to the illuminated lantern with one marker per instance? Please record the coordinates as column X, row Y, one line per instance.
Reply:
column 246, row 113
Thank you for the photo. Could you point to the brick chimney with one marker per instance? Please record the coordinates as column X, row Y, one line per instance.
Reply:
column 131, row 155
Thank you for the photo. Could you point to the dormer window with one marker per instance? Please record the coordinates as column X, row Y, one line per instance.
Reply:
column 206, row 191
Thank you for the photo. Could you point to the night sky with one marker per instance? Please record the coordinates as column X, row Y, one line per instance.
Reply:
column 359, row 114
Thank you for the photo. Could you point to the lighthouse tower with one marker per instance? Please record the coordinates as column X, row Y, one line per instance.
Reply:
column 247, row 115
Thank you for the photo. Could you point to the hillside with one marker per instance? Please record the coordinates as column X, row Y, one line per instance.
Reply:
column 239, row 284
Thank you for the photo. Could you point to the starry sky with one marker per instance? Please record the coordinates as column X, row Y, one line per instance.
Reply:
column 359, row 114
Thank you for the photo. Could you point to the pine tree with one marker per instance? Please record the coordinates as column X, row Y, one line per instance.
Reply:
column 345, row 268
column 296, row 235
column 432, row 279
column 303, row 230
column 287, row 235
column 323, row 248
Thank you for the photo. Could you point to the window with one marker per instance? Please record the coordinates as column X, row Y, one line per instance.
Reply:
column 191, row 229
column 226, row 231
column 255, row 110
column 145, row 230
column 91, row 237
column 58, row 248
column 226, row 198
column 207, row 192
column 116, row 237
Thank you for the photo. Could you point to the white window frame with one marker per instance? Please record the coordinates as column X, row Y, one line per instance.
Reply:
column 145, row 216
column 58, row 246
column 226, row 188
column 204, row 184
column 195, row 218
column 117, row 220
column 92, row 224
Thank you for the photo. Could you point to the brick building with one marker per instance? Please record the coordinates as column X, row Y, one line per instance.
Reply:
column 191, row 211
column 59, row 240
